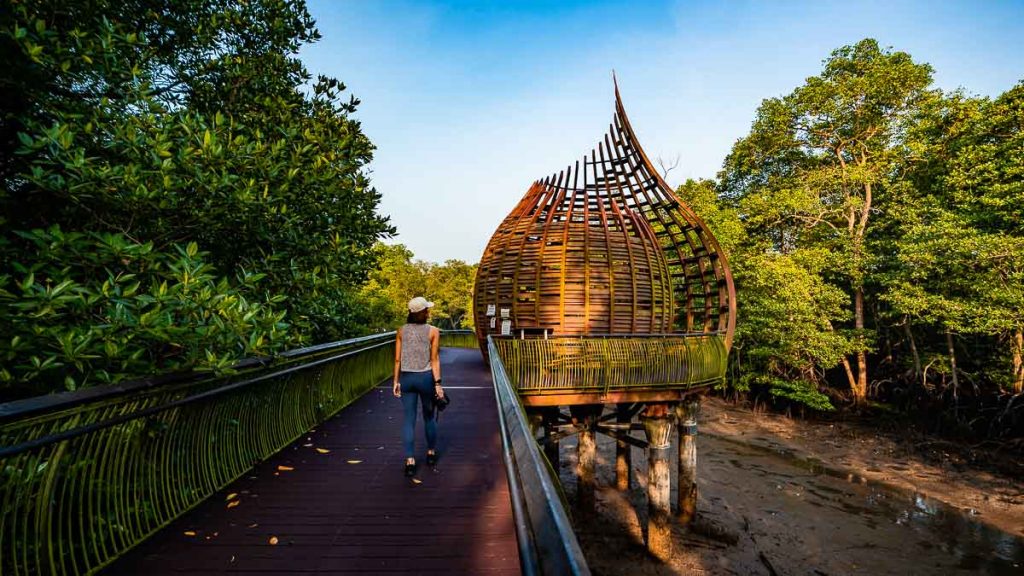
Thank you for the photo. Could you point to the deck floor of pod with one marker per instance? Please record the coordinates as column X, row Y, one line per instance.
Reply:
column 351, row 509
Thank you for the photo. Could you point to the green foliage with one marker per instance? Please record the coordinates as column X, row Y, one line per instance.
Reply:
column 867, row 212
column 955, row 227
column 804, row 184
column 792, row 390
column 189, row 122
column 399, row 278
column 81, row 309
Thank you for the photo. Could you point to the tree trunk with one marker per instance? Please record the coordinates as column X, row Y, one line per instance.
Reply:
column 1017, row 346
column 849, row 373
column 952, row 364
column 860, row 391
column 913, row 347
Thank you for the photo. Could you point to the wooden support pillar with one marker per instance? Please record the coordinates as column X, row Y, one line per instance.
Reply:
column 585, row 417
column 623, row 451
column 658, row 426
column 686, row 415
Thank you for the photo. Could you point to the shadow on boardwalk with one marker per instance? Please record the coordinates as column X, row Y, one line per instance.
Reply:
column 350, row 509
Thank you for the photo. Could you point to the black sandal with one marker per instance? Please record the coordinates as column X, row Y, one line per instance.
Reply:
column 410, row 470
column 431, row 458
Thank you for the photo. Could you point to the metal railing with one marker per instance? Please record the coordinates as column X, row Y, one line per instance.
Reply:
column 86, row 475
column 547, row 543
column 614, row 362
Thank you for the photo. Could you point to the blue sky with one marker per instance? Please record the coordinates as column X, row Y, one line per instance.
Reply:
column 470, row 102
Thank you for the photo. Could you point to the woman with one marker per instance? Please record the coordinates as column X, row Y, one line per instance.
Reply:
column 418, row 376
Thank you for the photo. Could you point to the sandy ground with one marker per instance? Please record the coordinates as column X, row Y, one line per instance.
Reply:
column 783, row 496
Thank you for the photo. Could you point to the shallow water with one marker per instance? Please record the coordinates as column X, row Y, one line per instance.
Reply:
column 796, row 515
column 938, row 535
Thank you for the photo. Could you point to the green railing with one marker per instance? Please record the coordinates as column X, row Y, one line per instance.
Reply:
column 85, row 476
column 459, row 339
column 612, row 363
column 547, row 542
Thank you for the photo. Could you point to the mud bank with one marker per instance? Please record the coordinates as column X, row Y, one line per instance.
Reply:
column 769, row 506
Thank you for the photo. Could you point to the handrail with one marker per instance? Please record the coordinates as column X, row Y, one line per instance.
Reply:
column 598, row 364
column 86, row 476
column 23, row 408
column 547, row 543
column 617, row 335
column 63, row 400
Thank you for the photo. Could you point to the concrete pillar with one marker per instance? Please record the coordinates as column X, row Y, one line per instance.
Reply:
column 623, row 451
column 585, row 417
column 535, row 418
column 686, row 415
column 658, row 426
column 550, row 427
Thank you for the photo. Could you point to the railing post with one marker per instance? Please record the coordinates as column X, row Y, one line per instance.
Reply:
column 658, row 426
column 686, row 414
column 623, row 451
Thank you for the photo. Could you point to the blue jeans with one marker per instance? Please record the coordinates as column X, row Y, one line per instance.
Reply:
column 417, row 386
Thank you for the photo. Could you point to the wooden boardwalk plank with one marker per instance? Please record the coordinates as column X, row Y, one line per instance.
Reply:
column 330, row 516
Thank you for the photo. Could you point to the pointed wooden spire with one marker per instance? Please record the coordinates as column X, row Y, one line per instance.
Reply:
column 609, row 248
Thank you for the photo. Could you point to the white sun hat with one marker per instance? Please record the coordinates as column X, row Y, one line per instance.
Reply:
column 418, row 304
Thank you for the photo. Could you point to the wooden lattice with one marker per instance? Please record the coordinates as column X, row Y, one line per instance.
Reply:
column 604, row 247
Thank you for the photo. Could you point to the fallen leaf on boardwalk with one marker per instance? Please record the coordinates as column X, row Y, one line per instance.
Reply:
column 234, row 503
column 232, row 559
column 322, row 450
column 190, row 533
column 253, row 525
column 355, row 461
column 307, row 445
column 417, row 481
column 232, row 496
column 285, row 468
column 273, row 540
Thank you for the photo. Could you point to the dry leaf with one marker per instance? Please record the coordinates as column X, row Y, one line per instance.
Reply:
column 273, row 540
column 253, row 525
column 355, row 461
column 233, row 504
column 322, row 450
column 307, row 445
column 231, row 496
column 190, row 533
column 285, row 468
column 417, row 481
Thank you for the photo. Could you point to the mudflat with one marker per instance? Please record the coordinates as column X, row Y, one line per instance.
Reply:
column 789, row 496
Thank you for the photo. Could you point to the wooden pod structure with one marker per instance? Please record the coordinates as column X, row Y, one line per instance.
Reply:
column 604, row 247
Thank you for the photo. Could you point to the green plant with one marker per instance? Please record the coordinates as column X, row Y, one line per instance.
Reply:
column 80, row 309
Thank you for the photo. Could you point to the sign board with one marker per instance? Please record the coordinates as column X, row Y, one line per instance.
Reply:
column 504, row 312
column 493, row 320
column 506, row 327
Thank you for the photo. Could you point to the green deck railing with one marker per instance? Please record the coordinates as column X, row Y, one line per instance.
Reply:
column 87, row 475
column 612, row 363
column 547, row 542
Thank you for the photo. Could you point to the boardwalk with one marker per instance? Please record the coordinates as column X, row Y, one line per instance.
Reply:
column 350, row 510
